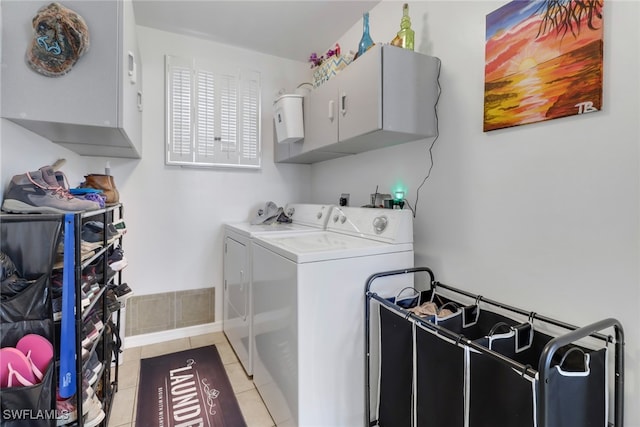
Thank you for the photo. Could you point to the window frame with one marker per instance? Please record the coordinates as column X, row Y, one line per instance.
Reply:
column 233, row 96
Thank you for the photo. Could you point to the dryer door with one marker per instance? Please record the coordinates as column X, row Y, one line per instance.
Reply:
column 236, row 299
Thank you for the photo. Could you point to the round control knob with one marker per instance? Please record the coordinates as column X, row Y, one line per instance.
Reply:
column 335, row 218
column 319, row 215
column 343, row 219
column 380, row 223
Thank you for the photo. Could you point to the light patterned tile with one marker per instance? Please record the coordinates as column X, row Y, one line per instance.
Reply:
column 128, row 374
column 226, row 353
column 123, row 407
column 253, row 409
column 164, row 348
column 238, row 378
column 207, row 339
column 131, row 355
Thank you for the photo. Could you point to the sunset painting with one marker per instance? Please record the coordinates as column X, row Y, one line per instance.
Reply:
column 543, row 60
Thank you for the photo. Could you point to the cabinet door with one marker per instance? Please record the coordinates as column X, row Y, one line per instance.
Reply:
column 130, row 113
column 360, row 96
column 320, row 117
column 28, row 95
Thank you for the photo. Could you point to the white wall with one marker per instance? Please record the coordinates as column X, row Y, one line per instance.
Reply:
column 174, row 215
column 542, row 216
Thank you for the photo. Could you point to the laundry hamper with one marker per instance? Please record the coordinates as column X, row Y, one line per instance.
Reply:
column 492, row 369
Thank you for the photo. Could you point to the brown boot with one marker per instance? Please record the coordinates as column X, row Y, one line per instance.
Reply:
column 104, row 183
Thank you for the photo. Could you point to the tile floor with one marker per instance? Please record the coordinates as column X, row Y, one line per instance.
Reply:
column 123, row 413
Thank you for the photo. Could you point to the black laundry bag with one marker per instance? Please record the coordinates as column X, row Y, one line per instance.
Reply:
column 31, row 244
column 30, row 406
column 499, row 396
column 577, row 389
column 10, row 333
column 440, row 381
column 31, row 303
column 396, row 370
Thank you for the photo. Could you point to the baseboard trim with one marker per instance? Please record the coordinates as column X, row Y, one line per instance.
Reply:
column 171, row 334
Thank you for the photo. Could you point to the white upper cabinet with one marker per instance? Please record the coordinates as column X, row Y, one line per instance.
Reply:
column 386, row 97
column 95, row 109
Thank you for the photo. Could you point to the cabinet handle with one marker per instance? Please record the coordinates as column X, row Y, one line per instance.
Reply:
column 139, row 101
column 331, row 107
column 343, row 104
column 132, row 67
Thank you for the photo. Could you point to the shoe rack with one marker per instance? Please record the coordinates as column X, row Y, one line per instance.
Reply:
column 102, row 312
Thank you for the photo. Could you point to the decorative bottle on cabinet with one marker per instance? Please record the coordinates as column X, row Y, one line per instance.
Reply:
column 406, row 35
column 365, row 41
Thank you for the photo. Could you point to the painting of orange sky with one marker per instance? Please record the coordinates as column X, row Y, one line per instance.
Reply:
column 535, row 73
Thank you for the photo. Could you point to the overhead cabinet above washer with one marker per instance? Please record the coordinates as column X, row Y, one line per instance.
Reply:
column 95, row 108
column 386, row 97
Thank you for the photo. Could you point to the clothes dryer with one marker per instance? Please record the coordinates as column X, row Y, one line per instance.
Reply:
column 308, row 302
column 237, row 306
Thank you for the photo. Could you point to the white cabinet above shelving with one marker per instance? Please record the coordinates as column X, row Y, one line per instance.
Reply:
column 94, row 109
column 385, row 97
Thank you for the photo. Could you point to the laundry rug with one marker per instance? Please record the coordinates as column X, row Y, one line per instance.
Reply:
column 187, row 388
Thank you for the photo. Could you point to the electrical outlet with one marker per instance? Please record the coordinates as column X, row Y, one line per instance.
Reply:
column 344, row 199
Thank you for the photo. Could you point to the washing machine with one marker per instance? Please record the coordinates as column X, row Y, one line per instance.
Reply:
column 237, row 306
column 308, row 302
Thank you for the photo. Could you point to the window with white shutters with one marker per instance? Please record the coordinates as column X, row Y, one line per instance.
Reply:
column 213, row 115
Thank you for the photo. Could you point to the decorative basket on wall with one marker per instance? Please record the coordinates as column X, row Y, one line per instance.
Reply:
column 329, row 68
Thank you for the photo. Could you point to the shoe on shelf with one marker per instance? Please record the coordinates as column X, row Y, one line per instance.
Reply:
column 95, row 415
column 119, row 265
column 97, row 266
column 122, row 292
column 120, row 226
column 30, row 193
column 90, row 376
column 66, row 410
column 116, row 259
column 93, row 231
column 56, row 302
column 90, row 335
column 93, row 364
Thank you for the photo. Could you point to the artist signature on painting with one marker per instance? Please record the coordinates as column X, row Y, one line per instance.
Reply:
column 212, row 394
column 585, row 107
